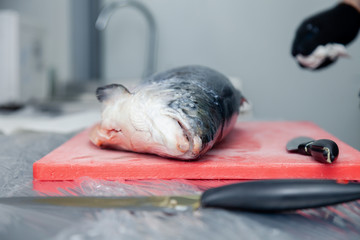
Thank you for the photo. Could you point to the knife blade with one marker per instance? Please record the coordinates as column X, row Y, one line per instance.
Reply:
column 257, row 196
column 322, row 150
column 143, row 202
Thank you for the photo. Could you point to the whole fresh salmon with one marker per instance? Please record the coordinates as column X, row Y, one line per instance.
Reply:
column 180, row 113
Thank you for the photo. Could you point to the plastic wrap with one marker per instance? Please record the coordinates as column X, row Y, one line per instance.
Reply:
column 19, row 152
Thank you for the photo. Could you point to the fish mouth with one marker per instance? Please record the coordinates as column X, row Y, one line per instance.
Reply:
column 186, row 148
column 188, row 136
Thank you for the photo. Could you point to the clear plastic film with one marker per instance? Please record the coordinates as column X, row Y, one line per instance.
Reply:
column 20, row 151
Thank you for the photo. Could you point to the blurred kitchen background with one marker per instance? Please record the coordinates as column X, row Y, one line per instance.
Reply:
column 52, row 58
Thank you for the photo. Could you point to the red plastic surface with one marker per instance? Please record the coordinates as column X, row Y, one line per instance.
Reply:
column 253, row 150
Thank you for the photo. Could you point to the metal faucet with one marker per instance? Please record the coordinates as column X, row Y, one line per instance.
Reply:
column 104, row 18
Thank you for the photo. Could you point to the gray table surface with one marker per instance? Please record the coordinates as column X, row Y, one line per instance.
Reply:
column 19, row 151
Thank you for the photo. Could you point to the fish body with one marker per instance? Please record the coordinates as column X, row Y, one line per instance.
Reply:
column 180, row 113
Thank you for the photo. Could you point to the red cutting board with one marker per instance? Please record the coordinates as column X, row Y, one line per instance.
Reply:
column 253, row 150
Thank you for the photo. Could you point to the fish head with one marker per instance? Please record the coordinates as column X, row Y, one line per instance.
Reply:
column 171, row 135
column 139, row 123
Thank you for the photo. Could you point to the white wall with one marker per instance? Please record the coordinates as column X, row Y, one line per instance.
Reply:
column 248, row 39
column 54, row 17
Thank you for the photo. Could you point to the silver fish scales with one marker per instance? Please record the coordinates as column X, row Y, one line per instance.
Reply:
column 180, row 113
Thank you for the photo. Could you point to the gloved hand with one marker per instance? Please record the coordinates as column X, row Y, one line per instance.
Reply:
column 338, row 25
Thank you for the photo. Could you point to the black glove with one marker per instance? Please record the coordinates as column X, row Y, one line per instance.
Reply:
column 336, row 25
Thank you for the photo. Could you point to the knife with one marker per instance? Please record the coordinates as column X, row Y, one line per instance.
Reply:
column 322, row 150
column 257, row 196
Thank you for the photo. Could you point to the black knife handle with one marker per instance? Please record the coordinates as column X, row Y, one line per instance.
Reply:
column 280, row 195
column 322, row 150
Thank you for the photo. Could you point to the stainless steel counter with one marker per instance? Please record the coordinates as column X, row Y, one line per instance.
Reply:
column 20, row 150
